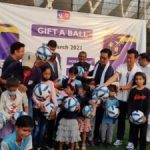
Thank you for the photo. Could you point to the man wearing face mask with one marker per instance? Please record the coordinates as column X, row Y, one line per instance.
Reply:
column 55, row 59
column 101, row 73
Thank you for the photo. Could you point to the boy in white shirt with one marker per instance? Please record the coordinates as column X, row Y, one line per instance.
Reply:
column 12, row 101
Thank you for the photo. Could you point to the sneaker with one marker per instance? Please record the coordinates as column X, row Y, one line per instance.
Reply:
column 118, row 143
column 77, row 146
column 83, row 147
column 130, row 146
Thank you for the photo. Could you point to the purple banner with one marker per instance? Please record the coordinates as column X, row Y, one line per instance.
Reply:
column 72, row 60
column 119, row 44
column 61, row 32
column 7, row 38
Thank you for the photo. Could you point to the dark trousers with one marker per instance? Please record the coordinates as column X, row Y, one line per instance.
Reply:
column 39, row 128
column 50, row 132
column 98, row 121
column 134, row 135
column 123, row 107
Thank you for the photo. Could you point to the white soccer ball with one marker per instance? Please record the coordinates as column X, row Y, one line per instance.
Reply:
column 87, row 110
column 71, row 103
column 60, row 80
column 42, row 91
column 59, row 98
column 80, row 71
column 19, row 114
column 102, row 92
column 48, row 109
column 43, row 53
column 113, row 112
column 2, row 120
column 77, row 83
column 137, row 117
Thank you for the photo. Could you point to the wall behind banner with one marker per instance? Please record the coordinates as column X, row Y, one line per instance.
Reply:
column 73, row 32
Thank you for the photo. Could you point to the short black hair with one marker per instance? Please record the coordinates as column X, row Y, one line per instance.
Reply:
column 52, row 43
column 71, row 87
column 145, row 56
column 106, row 50
column 24, row 121
column 139, row 74
column 16, row 46
column 73, row 70
column 12, row 82
column 45, row 67
column 82, row 52
column 133, row 51
column 112, row 88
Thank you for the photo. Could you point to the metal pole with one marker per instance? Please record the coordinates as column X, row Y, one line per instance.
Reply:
column 71, row 5
column 138, row 11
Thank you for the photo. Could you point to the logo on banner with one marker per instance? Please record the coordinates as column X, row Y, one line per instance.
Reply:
column 63, row 15
column 9, row 34
column 119, row 44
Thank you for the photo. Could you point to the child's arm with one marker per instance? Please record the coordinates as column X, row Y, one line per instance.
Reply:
column 3, row 105
column 94, row 109
column 53, row 94
column 37, row 102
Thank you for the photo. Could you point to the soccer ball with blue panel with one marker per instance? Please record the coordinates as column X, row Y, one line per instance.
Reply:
column 87, row 111
column 42, row 91
column 102, row 92
column 137, row 117
column 113, row 112
column 19, row 114
column 59, row 98
column 43, row 53
column 60, row 80
column 80, row 71
column 77, row 83
column 71, row 103
column 48, row 109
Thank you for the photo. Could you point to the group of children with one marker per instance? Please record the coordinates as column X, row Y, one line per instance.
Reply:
column 69, row 129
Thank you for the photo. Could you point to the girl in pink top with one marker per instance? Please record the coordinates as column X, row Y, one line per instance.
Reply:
column 39, row 118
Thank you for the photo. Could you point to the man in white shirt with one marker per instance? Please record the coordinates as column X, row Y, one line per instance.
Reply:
column 144, row 61
column 125, row 73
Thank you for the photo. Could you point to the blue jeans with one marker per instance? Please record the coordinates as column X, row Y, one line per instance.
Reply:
column 40, row 123
column 30, row 103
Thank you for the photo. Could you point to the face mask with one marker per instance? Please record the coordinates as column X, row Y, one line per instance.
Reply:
column 12, row 93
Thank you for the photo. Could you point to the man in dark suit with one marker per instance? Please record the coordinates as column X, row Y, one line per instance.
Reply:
column 101, row 73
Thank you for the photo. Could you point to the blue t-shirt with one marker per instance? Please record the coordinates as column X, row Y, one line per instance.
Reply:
column 9, row 143
column 108, row 103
